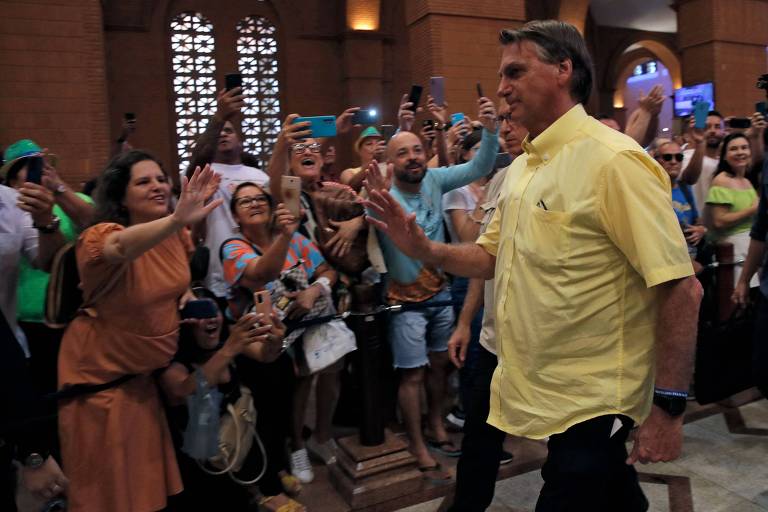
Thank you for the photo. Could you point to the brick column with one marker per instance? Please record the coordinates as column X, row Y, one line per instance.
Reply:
column 724, row 41
column 54, row 82
column 458, row 40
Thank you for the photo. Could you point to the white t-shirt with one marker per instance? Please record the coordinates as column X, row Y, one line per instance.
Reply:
column 220, row 224
column 457, row 199
column 701, row 187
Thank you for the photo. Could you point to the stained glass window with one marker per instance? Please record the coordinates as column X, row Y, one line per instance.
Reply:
column 257, row 61
column 194, row 83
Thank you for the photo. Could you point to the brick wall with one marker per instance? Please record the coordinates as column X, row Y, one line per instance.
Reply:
column 53, row 88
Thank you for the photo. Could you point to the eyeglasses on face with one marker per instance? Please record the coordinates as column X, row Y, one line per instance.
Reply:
column 247, row 201
column 667, row 157
column 504, row 117
column 300, row 147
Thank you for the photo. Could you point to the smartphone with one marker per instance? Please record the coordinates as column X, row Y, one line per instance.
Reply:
column 129, row 116
column 760, row 106
column 291, row 186
column 200, row 308
column 262, row 303
column 321, row 126
column 387, row 130
column 700, row 113
column 437, row 89
column 457, row 118
column 428, row 122
column 232, row 80
column 415, row 96
column 502, row 160
column 35, row 169
column 479, row 90
column 370, row 116
column 741, row 123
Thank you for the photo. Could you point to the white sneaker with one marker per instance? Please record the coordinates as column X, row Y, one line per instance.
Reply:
column 325, row 452
column 301, row 468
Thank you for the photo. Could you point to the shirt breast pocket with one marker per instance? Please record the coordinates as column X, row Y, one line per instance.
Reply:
column 546, row 241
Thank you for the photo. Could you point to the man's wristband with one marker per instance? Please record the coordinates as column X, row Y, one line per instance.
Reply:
column 671, row 393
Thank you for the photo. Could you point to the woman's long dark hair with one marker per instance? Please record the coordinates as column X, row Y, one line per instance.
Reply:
column 723, row 165
column 113, row 183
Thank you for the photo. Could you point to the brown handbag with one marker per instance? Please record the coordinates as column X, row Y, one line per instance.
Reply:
column 337, row 202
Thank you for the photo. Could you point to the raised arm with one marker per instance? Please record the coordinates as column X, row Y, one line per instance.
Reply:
column 279, row 162
column 132, row 242
column 228, row 105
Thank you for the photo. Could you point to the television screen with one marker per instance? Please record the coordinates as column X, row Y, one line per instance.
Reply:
column 685, row 97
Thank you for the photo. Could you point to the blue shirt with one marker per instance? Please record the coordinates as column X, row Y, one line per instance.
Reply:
column 427, row 204
column 686, row 211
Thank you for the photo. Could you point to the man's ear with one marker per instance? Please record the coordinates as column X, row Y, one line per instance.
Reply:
column 564, row 72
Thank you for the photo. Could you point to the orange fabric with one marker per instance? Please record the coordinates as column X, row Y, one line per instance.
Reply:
column 427, row 284
column 116, row 446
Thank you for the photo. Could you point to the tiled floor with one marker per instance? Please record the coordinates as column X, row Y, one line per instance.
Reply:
column 727, row 472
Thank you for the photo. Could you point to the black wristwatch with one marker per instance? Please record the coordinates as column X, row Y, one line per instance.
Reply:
column 50, row 228
column 671, row 402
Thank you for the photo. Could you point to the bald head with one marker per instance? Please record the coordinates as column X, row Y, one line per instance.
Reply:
column 406, row 153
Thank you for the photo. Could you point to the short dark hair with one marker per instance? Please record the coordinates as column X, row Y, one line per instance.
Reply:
column 715, row 113
column 113, row 183
column 558, row 41
column 723, row 165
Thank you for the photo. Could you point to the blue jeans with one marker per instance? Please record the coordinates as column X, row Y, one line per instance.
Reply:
column 468, row 372
column 413, row 334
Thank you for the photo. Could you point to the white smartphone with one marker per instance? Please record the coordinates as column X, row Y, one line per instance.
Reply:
column 291, row 186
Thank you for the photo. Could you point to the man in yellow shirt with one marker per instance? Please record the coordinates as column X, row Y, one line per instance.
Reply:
column 596, row 302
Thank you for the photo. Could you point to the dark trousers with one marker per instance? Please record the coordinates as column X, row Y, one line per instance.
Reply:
column 459, row 288
column 272, row 387
column 760, row 349
column 7, row 479
column 482, row 443
column 586, row 470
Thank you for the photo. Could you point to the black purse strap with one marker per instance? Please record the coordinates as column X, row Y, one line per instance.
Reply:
column 76, row 390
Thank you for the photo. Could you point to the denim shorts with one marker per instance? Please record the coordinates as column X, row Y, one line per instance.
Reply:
column 413, row 334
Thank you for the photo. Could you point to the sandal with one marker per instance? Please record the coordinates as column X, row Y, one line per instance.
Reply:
column 291, row 484
column 435, row 474
column 440, row 447
column 280, row 503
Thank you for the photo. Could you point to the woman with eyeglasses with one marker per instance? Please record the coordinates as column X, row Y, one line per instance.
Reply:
column 271, row 254
column 732, row 200
column 297, row 153
column 670, row 157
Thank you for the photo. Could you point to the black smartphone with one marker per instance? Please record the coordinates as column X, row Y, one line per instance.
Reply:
column 502, row 160
column 741, row 123
column 370, row 116
column 129, row 116
column 35, row 169
column 387, row 130
column 232, row 80
column 760, row 106
column 428, row 122
column 415, row 96
column 479, row 90
column 200, row 308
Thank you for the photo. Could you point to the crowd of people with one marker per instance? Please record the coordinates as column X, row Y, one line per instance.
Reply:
column 550, row 263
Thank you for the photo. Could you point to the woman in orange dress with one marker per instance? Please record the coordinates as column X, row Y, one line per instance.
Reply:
column 116, row 446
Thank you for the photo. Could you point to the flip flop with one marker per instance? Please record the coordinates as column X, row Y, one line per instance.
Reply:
column 435, row 474
column 439, row 447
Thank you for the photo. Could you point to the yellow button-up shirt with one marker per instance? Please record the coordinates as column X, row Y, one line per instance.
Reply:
column 583, row 231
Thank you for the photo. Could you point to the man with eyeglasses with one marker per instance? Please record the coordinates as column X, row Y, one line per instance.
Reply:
column 222, row 147
column 670, row 156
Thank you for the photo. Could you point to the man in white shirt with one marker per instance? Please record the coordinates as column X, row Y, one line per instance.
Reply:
column 221, row 146
column 700, row 162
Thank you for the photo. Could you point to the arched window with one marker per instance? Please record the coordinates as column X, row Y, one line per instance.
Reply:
column 194, row 83
column 257, row 61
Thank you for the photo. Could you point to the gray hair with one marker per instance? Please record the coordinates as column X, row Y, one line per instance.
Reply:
column 556, row 42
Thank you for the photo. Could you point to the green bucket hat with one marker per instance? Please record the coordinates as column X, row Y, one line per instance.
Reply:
column 23, row 148
column 369, row 132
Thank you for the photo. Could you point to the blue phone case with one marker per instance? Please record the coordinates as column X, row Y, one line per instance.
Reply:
column 321, row 126
column 700, row 113
column 457, row 118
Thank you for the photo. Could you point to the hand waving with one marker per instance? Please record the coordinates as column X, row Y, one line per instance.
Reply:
column 195, row 191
